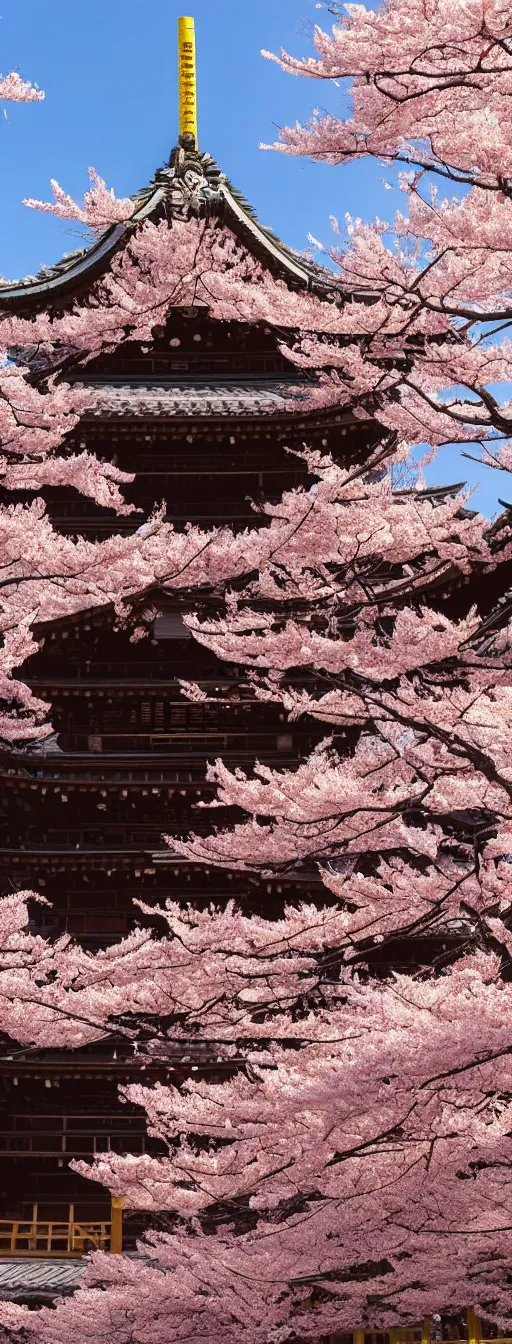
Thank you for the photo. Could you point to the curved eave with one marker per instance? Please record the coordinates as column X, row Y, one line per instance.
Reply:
column 87, row 265
column 254, row 230
column 93, row 261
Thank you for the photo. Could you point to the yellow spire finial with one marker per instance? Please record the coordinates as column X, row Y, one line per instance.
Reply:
column 187, row 78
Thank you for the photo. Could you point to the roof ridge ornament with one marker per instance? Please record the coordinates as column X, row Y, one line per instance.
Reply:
column 194, row 182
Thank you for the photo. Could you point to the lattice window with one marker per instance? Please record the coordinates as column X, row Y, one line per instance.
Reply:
column 195, row 716
column 178, row 716
column 170, row 625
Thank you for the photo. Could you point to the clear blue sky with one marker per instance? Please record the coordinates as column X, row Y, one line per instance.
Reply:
column 108, row 68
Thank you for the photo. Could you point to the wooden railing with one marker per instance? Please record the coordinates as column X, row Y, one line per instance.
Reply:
column 32, row 1237
column 474, row 1333
column 43, row 1239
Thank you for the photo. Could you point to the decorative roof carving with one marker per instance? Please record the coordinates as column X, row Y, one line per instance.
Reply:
column 191, row 186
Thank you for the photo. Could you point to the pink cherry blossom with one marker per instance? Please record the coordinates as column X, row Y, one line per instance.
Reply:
column 100, row 208
column 17, row 90
column 348, row 1162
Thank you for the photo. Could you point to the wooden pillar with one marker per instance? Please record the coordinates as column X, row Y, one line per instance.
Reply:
column 32, row 1245
column 426, row 1330
column 358, row 1336
column 116, row 1229
column 474, row 1327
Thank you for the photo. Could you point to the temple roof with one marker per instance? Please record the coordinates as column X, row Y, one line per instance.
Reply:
column 191, row 186
column 34, row 1278
column 185, row 398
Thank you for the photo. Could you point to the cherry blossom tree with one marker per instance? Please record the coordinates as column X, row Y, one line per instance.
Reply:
column 366, row 1169
column 342, row 569
column 349, row 1162
column 352, row 1153
column 428, row 87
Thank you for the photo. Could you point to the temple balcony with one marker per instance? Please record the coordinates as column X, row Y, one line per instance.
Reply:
column 197, row 448
column 32, row 1237
column 137, row 836
column 464, row 1327
column 45, row 860
column 102, row 717
column 244, row 747
column 56, row 1106
column 116, row 770
column 115, row 674
column 458, row 1328
column 91, row 770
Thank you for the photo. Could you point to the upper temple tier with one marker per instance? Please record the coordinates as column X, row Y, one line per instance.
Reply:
column 191, row 186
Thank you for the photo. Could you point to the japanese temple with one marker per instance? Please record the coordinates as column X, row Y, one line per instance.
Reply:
column 202, row 415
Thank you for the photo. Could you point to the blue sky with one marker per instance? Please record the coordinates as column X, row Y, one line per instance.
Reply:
column 108, row 68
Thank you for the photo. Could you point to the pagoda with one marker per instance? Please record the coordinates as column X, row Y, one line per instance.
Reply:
column 203, row 415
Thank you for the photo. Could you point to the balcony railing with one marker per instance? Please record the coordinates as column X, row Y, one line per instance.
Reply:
column 471, row 1331
column 36, row 1238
